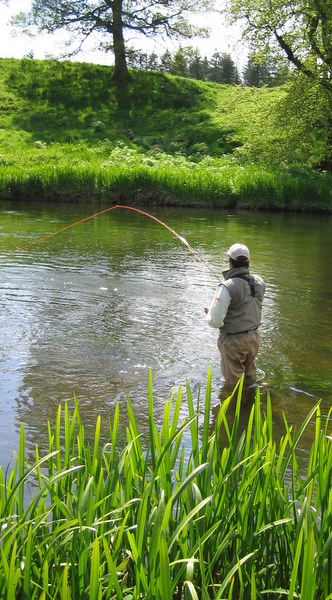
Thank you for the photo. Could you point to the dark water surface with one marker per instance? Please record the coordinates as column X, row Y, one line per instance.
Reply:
column 89, row 311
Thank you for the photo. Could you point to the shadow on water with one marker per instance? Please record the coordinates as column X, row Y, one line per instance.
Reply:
column 299, row 403
column 247, row 401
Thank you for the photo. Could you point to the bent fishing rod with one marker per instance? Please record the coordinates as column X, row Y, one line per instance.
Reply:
column 119, row 207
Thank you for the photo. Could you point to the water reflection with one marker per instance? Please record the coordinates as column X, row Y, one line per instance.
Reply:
column 91, row 311
column 298, row 402
column 247, row 401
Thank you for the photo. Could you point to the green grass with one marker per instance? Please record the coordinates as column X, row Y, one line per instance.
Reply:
column 67, row 133
column 234, row 519
column 106, row 174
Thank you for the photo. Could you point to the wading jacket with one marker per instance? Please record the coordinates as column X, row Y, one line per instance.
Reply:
column 237, row 305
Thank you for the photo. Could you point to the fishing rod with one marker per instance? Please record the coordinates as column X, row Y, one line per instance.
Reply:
column 117, row 207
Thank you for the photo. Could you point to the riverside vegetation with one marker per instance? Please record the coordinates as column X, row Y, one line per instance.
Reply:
column 139, row 519
column 68, row 134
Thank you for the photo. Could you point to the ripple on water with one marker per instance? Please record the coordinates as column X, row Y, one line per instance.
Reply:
column 89, row 313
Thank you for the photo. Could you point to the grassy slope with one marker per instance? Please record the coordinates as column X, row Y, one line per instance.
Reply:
column 69, row 116
column 72, row 102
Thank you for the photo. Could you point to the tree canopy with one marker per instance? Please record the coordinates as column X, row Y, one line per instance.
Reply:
column 188, row 62
column 269, row 72
column 302, row 29
column 111, row 19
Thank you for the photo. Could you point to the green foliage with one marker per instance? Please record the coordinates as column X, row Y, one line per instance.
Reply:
column 188, row 62
column 109, row 21
column 235, row 518
column 301, row 30
column 66, row 133
column 110, row 172
column 288, row 125
column 261, row 70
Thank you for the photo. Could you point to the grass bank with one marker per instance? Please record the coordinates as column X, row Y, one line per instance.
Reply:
column 235, row 519
column 107, row 173
column 66, row 133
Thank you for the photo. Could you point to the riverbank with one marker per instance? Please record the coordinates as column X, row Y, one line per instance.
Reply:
column 106, row 175
column 68, row 135
column 236, row 518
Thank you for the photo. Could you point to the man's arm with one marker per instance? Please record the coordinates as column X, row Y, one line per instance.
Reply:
column 215, row 315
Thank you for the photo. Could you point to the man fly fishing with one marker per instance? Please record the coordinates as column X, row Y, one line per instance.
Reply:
column 236, row 311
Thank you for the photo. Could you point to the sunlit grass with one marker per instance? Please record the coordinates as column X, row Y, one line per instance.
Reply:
column 108, row 172
column 68, row 134
column 235, row 519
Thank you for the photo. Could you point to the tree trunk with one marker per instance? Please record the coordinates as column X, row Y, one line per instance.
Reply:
column 121, row 73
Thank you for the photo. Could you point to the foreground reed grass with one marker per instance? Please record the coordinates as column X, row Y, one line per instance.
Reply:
column 235, row 519
column 111, row 172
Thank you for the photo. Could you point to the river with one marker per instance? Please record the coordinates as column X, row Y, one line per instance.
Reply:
column 88, row 312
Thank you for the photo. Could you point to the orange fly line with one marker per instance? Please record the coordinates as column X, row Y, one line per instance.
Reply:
column 102, row 212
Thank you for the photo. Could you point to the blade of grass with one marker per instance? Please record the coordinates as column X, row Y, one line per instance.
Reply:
column 165, row 573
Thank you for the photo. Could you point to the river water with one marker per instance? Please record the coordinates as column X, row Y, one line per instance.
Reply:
column 88, row 312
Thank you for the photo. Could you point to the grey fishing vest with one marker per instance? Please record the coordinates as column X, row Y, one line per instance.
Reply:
column 246, row 292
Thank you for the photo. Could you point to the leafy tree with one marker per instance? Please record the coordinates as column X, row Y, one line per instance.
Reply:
column 214, row 67
column 222, row 69
column 142, row 60
column 137, row 60
column 187, row 62
column 229, row 72
column 254, row 73
column 166, row 62
column 285, row 125
column 179, row 64
column 153, row 63
column 302, row 29
column 196, row 67
column 269, row 71
column 206, row 67
column 111, row 19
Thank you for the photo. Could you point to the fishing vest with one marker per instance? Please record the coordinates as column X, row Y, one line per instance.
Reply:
column 246, row 292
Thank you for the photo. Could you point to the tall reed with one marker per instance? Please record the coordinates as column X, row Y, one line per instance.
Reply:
column 105, row 173
column 234, row 519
